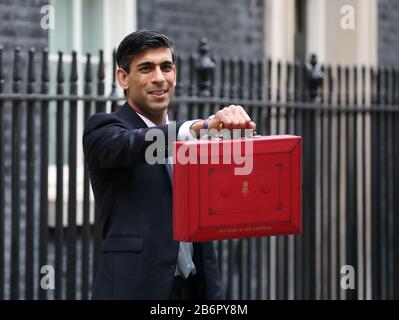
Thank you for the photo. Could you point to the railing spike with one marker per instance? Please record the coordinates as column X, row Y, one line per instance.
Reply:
column 60, row 68
column 113, row 76
column 45, row 73
column 101, row 72
column 1, row 70
column 17, row 70
column 88, row 75
column 31, row 70
column 74, row 68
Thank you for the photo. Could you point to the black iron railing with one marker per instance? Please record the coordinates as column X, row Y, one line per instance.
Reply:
column 348, row 118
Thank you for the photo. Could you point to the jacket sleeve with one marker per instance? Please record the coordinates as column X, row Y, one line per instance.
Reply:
column 109, row 142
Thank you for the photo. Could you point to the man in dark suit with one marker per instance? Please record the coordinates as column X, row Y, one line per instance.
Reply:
column 140, row 259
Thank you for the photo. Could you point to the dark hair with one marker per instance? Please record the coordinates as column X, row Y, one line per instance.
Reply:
column 138, row 41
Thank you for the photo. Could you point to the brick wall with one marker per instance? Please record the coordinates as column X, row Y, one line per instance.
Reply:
column 233, row 27
column 388, row 32
column 20, row 23
column 20, row 26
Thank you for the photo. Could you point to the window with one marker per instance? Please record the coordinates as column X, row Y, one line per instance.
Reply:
column 85, row 26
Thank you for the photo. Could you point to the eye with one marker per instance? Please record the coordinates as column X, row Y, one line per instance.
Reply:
column 145, row 68
column 167, row 67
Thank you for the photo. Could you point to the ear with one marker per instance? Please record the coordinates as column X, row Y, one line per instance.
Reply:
column 121, row 76
column 175, row 74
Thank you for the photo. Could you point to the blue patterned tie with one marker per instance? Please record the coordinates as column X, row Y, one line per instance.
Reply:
column 185, row 264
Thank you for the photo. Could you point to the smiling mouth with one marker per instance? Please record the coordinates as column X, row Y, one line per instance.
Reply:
column 158, row 93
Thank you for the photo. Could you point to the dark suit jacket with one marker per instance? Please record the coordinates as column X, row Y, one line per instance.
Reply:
column 134, row 201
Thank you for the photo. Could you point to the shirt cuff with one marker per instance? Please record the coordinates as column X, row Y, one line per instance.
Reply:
column 185, row 132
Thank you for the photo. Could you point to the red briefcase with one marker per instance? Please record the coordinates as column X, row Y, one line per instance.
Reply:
column 237, row 188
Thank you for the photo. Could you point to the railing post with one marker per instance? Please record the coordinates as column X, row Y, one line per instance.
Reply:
column 30, row 183
column 59, row 200
column 15, row 178
column 205, row 68
column 44, row 155
column 2, row 182
column 1, row 70
column 72, row 196
column 311, row 80
column 113, row 94
column 86, row 235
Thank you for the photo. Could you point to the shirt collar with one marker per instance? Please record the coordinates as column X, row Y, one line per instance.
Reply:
column 149, row 123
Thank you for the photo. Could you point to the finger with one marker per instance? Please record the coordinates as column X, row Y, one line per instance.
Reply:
column 234, row 117
column 217, row 120
column 228, row 118
column 252, row 125
column 237, row 120
column 242, row 116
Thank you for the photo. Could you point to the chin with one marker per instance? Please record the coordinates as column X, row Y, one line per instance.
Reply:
column 156, row 110
column 159, row 106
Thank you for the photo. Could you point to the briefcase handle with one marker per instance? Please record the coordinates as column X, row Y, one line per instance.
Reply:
column 218, row 137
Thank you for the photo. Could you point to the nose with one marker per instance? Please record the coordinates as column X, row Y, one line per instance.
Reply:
column 158, row 75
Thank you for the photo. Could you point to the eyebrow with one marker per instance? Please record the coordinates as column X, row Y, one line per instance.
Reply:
column 148, row 63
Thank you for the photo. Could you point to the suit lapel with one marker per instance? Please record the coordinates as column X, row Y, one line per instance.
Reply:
column 127, row 113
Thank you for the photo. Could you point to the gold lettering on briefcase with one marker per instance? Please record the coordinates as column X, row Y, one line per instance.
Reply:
column 245, row 188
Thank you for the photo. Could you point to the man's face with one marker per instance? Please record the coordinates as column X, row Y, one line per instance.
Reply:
column 150, row 82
